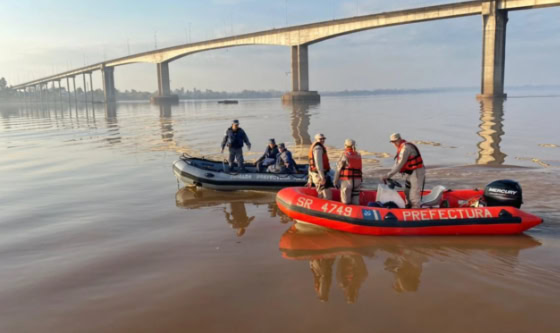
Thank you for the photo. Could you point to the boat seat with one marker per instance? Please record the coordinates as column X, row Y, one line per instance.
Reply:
column 434, row 198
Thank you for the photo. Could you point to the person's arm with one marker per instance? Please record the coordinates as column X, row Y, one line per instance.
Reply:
column 285, row 157
column 291, row 163
column 318, row 156
column 246, row 140
column 401, row 161
column 263, row 156
column 224, row 140
column 339, row 165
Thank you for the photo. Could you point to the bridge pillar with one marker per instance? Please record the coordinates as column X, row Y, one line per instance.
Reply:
column 493, row 51
column 164, row 88
column 300, row 77
column 108, row 84
column 60, row 91
column 91, row 86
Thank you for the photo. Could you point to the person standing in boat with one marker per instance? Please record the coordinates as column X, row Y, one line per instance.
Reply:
column 234, row 139
column 269, row 156
column 348, row 176
column 408, row 161
column 284, row 161
column 319, row 167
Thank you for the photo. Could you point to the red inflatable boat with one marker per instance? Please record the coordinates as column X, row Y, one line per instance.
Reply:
column 457, row 218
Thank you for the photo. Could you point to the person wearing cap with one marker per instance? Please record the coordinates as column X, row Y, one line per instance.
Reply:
column 234, row 139
column 319, row 167
column 284, row 161
column 269, row 156
column 348, row 174
column 408, row 161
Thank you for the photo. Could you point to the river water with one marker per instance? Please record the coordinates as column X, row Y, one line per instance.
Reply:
column 96, row 235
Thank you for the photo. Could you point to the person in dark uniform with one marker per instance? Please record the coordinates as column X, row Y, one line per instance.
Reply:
column 284, row 161
column 269, row 156
column 234, row 138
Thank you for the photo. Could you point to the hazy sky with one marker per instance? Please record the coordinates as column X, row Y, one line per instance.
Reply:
column 42, row 37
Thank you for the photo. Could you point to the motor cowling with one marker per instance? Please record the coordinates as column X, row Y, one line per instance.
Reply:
column 504, row 192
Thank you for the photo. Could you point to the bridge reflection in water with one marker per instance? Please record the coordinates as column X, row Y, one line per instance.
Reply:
column 113, row 130
column 491, row 131
column 166, row 122
column 300, row 117
column 406, row 256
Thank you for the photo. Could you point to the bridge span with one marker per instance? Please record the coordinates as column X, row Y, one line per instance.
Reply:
column 494, row 15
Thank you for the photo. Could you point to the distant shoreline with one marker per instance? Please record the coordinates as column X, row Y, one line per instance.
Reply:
column 208, row 94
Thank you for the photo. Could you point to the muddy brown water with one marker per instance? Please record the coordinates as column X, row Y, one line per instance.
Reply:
column 97, row 236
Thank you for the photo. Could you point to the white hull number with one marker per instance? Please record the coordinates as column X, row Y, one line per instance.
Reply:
column 328, row 207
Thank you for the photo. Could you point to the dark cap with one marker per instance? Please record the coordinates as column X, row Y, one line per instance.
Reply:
column 272, row 141
column 282, row 145
column 235, row 121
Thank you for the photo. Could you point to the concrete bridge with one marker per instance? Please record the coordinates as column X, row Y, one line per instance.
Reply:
column 494, row 15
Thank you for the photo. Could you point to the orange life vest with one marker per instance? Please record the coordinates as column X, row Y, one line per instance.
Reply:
column 413, row 162
column 352, row 169
column 312, row 165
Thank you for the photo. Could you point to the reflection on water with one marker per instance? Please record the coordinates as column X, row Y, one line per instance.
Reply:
column 406, row 268
column 236, row 216
column 406, row 256
column 166, row 122
column 491, row 131
column 106, row 239
column 300, row 117
column 351, row 272
column 112, row 123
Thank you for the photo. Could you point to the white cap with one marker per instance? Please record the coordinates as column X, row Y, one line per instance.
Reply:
column 349, row 143
column 319, row 136
column 395, row 137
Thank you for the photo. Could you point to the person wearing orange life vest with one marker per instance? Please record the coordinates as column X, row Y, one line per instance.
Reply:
column 319, row 167
column 349, row 174
column 408, row 161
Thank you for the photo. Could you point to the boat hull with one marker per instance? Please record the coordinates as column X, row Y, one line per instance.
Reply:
column 302, row 204
column 210, row 174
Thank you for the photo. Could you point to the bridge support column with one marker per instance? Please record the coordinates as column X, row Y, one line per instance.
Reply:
column 68, row 90
column 85, row 88
column 75, row 91
column 164, row 88
column 91, row 86
column 60, row 91
column 300, row 77
column 493, row 51
column 108, row 84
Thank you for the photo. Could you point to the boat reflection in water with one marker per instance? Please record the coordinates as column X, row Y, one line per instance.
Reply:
column 233, row 203
column 405, row 256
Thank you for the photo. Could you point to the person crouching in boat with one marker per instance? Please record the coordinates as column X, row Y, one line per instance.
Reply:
column 234, row 139
column 284, row 161
column 269, row 156
column 318, row 168
column 348, row 176
column 408, row 161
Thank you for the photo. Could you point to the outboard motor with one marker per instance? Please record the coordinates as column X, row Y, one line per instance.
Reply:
column 503, row 192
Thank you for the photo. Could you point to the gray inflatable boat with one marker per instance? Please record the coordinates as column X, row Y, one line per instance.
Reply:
column 214, row 175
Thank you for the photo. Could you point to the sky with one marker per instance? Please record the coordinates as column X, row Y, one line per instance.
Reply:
column 43, row 37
